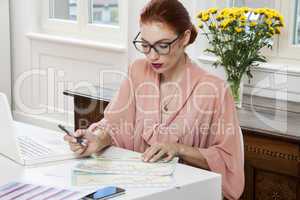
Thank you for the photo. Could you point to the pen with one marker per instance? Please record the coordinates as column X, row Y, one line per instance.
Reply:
column 78, row 139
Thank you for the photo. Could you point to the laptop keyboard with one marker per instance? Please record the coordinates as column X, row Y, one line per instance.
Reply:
column 32, row 149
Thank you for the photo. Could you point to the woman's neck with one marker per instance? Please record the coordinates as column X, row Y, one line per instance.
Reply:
column 175, row 73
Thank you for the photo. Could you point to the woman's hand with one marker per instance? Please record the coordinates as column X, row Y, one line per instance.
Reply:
column 93, row 141
column 159, row 151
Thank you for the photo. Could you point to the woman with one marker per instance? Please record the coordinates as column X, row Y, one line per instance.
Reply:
column 168, row 106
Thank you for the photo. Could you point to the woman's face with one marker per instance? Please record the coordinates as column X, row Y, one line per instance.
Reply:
column 160, row 34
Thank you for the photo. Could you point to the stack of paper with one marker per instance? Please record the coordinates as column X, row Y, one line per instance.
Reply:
column 85, row 179
column 123, row 170
column 127, row 167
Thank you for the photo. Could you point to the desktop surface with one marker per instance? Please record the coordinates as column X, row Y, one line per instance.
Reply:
column 189, row 182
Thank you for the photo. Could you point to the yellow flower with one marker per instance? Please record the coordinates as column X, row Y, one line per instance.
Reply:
column 282, row 25
column 260, row 10
column 238, row 29
column 252, row 24
column 277, row 30
column 268, row 21
column 272, row 31
column 199, row 15
column 245, row 9
column 219, row 17
column 243, row 18
column 225, row 23
column 212, row 10
column 200, row 24
column 205, row 17
column 281, row 19
column 213, row 25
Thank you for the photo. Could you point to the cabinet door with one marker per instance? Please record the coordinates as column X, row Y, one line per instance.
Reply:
column 272, row 186
column 5, row 67
column 271, row 168
column 88, row 111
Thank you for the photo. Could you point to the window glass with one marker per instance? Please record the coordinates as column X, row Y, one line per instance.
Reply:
column 253, row 3
column 240, row 3
column 297, row 23
column 63, row 9
column 104, row 12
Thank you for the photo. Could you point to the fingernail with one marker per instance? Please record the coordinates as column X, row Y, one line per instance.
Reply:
column 85, row 141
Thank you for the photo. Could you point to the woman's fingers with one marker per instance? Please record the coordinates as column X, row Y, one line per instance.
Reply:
column 169, row 157
column 80, row 151
column 93, row 127
column 152, row 151
column 80, row 132
column 70, row 139
column 146, row 152
column 158, row 155
column 74, row 147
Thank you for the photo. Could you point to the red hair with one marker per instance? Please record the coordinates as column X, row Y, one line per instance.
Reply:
column 170, row 12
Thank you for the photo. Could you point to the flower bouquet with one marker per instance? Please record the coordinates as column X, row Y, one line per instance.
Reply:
column 236, row 37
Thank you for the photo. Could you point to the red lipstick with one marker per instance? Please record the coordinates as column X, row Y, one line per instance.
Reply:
column 156, row 65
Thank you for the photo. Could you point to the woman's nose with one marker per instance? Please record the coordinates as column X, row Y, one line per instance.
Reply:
column 153, row 55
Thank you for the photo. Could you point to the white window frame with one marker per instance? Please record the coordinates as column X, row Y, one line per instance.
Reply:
column 82, row 29
column 286, row 47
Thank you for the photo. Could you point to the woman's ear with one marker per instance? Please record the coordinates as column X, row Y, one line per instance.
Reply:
column 186, row 37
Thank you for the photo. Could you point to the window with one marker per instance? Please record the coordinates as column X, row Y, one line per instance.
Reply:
column 101, row 20
column 253, row 3
column 296, row 38
column 289, row 42
column 103, row 12
column 63, row 9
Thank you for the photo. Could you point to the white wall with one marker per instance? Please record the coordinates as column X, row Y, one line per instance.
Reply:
column 66, row 65
column 5, row 59
column 39, row 99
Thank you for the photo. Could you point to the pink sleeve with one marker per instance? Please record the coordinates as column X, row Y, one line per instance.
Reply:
column 119, row 116
column 224, row 153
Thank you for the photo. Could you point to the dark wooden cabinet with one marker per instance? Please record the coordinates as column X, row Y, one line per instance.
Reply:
column 272, row 152
column 272, row 156
column 271, row 168
column 89, row 107
column 88, row 111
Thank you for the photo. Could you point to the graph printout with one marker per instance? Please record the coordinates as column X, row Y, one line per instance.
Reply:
column 26, row 191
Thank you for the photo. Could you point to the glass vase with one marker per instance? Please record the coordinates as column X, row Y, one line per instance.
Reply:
column 236, row 87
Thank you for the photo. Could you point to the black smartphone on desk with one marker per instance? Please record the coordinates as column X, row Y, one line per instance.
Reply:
column 105, row 193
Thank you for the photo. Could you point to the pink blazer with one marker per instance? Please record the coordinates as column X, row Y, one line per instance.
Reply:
column 205, row 118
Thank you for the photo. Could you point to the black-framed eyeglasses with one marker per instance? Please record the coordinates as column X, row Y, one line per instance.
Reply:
column 161, row 48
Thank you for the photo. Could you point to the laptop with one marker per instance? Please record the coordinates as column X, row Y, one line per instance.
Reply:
column 27, row 144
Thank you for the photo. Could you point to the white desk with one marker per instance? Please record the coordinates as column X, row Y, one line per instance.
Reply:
column 189, row 182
